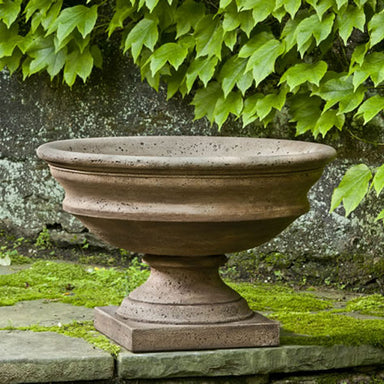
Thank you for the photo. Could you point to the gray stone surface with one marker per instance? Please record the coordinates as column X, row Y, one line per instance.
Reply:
column 247, row 361
column 29, row 357
column 42, row 312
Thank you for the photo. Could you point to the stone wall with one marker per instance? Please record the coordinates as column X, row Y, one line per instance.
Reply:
column 115, row 102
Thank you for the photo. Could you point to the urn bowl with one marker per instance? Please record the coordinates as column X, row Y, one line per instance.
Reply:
column 185, row 196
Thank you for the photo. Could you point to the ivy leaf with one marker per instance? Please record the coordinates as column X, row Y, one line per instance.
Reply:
column 305, row 111
column 97, row 56
column 144, row 33
column 348, row 20
column 44, row 56
column 320, row 6
column 9, row 10
column 176, row 82
column 209, row 36
column 327, row 121
column 249, row 111
column 49, row 19
column 376, row 29
column 233, row 103
column 11, row 62
column 230, row 39
column 335, row 90
column 352, row 188
column 171, row 52
column 231, row 72
column 261, row 9
column 380, row 216
column 120, row 15
column 255, row 43
column 378, row 180
column 9, row 39
column 271, row 101
column 341, row 3
column 205, row 101
column 187, row 16
column 311, row 26
column 358, row 55
column 301, row 73
column 292, row 6
column 262, row 61
column 37, row 5
column 151, row 4
column 372, row 67
column 203, row 68
column 81, row 17
column 370, row 108
column 78, row 64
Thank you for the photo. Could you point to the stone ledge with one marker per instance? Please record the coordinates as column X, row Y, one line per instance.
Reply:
column 30, row 357
column 247, row 361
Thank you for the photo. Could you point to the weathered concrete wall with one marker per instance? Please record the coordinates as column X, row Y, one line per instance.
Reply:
column 115, row 102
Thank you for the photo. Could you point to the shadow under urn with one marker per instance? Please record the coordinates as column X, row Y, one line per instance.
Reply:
column 184, row 201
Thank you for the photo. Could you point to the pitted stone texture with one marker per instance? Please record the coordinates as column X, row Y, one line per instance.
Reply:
column 142, row 337
column 42, row 312
column 44, row 357
column 246, row 361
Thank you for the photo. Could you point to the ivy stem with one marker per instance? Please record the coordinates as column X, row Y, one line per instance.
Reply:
column 364, row 140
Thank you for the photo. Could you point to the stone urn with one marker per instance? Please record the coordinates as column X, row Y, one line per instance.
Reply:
column 184, row 202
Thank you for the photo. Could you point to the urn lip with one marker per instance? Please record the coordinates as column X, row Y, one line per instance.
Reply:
column 186, row 154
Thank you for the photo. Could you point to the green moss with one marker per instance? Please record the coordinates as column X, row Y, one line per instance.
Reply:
column 84, row 330
column 330, row 328
column 71, row 283
column 367, row 305
column 277, row 298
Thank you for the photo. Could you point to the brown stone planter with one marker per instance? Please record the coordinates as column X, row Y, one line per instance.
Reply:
column 184, row 202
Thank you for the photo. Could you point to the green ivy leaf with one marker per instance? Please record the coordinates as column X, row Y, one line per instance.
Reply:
column 144, row 33
column 44, row 56
column 262, row 60
column 78, row 64
column 339, row 89
column 9, row 39
column 380, row 216
column 176, row 82
column 122, row 12
column 230, row 39
column 320, row 6
column 172, row 53
column 358, row 55
column 264, row 105
column 187, row 16
column 301, row 73
column 312, row 27
column 205, row 100
column 249, row 111
column 231, row 72
column 9, row 10
column 261, row 9
column 370, row 108
column 378, row 180
column 352, row 188
column 372, row 67
column 81, row 17
column 203, row 68
column 292, row 6
column 305, row 111
column 233, row 103
column 42, row 6
column 348, row 20
column 341, row 3
column 151, row 4
column 11, row 62
column 49, row 19
column 376, row 29
column 327, row 121
column 209, row 36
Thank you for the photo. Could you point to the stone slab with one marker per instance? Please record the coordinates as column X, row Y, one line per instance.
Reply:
column 31, row 357
column 42, row 312
column 141, row 337
column 245, row 361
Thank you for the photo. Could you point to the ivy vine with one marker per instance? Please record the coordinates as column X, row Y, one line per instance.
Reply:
column 321, row 59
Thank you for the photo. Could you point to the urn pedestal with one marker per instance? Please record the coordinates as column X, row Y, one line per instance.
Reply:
column 184, row 202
